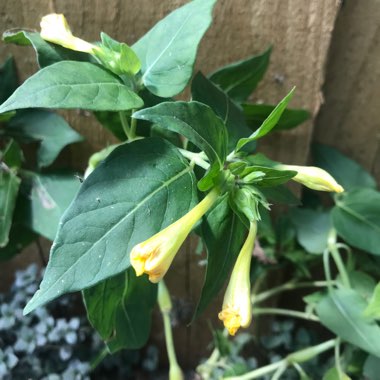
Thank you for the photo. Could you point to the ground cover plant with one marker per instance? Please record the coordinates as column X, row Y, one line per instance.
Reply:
column 182, row 167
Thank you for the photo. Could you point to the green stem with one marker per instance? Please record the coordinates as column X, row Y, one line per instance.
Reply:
column 133, row 126
column 280, row 370
column 197, row 158
column 125, row 125
column 296, row 357
column 285, row 312
column 337, row 359
column 288, row 286
column 259, row 372
column 97, row 360
column 340, row 265
column 175, row 372
column 333, row 248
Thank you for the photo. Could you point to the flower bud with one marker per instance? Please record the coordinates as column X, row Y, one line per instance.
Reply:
column 54, row 28
column 237, row 306
column 155, row 255
column 313, row 178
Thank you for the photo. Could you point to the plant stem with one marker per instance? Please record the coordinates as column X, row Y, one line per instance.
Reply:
column 340, row 265
column 133, row 126
column 280, row 366
column 337, row 359
column 97, row 360
column 125, row 125
column 287, row 286
column 196, row 158
column 164, row 302
column 285, row 312
column 259, row 372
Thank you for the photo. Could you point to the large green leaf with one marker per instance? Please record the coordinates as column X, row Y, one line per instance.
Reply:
column 12, row 155
column 120, row 308
column 167, row 52
column 138, row 190
column 341, row 311
column 312, row 227
column 255, row 115
column 373, row 308
column 347, row 172
column 49, row 197
column 224, row 234
column 9, row 186
column 280, row 194
column 269, row 123
column 205, row 91
column 47, row 53
column 8, row 79
column 48, row 128
column 70, row 84
column 239, row 79
column 195, row 121
column 356, row 217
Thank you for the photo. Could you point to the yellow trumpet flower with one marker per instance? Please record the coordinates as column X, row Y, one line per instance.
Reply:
column 313, row 178
column 155, row 255
column 237, row 308
column 54, row 28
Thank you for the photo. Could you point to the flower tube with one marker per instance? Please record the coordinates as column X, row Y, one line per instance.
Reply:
column 237, row 308
column 155, row 255
column 54, row 28
column 313, row 178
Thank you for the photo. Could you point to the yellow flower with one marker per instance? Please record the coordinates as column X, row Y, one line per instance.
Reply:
column 314, row 178
column 54, row 28
column 237, row 307
column 155, row 255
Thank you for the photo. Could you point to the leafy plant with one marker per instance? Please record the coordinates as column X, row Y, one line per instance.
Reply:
column 33, row 196
column 183, row 166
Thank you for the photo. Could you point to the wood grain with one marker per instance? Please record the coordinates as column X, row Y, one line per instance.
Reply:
column 349, row 118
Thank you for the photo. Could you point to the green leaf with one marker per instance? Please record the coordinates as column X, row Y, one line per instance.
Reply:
column 280, row 194
column 333, row 374
column 206, row 92
column 312, row 227
column 47, row 53
column 120, row 310
column 223, row 234
column 124, row 60
column 190, row 120
column 48, row 128
column 356, row 218
column 373, row 308
column 240, row 79
column 8, row 79
column 347, row 172
column 9, row 186
column 255, row 115
column 49, row 197
column 167, row 52
column 19, row 238
column 12, row 155
column 361, row 282
column 269, row 123
column 341, row 311
column 152, row 186
column 272, row 177
column 70, row 84
column 371, row 368
column 111, row 121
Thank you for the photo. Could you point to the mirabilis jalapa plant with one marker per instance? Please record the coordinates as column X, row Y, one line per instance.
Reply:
column 142, row 197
